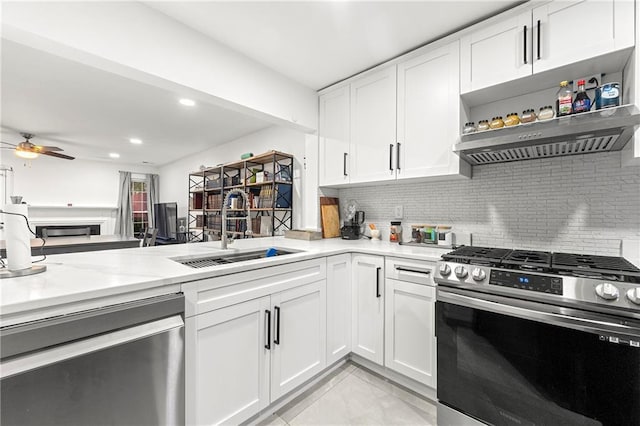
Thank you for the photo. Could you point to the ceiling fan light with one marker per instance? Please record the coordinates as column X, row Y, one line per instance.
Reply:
column 29, row 155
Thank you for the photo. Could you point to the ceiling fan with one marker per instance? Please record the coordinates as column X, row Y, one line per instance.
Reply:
column 28, row 150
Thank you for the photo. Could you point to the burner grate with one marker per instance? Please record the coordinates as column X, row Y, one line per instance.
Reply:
column 528, row 259
column 475, row 254
column 585, row 263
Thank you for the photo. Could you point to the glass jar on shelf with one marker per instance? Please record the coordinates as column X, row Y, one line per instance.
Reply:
column 496, row 123
column 546, row 113
column 528, row 116
column 469, row 128
column 512, row 119
column 483, row 125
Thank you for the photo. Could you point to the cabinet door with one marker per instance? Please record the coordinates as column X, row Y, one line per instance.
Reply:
column 367, row 317
column 567, row 32
column 333, row 129
column 428, row 113
column 410, row 345
column 299, row 336
column 227, row 376
column 495, row 54
column 373, row 127
column 338, row 307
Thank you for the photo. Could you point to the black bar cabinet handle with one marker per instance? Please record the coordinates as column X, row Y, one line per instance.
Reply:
column 344, row 164
column 378, row 281
column 525, row 44
column 267, row 315
column 391, row 156
column 276, row 339
column 398, row 156
column 538, row 39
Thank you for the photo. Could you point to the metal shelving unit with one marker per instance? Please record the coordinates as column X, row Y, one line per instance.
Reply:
column 268, row 181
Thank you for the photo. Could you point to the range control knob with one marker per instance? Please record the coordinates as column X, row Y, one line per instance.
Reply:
column 607, row 291
column 460, row 272
column 478, row 274
column 633, row 294
column 445, row 270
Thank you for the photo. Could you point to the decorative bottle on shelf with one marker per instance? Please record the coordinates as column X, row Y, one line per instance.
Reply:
column 564, row 100
column 582, row 102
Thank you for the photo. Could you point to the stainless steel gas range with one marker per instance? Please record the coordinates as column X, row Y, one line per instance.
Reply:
column 531, row 337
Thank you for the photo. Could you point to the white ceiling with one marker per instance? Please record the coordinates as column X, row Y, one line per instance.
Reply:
column 318, row 43
column 90, row 113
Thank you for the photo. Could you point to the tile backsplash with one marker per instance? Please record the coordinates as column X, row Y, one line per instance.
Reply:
column 582, row 203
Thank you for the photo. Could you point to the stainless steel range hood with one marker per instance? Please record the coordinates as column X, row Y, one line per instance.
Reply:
column 597, row 131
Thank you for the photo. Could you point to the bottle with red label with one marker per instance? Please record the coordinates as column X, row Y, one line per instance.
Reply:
column 564, row 100
column 582, row 102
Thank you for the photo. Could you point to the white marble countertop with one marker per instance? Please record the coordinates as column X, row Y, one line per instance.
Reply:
column 78, row 281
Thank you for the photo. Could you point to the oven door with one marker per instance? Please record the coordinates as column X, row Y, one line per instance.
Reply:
column 511, row 362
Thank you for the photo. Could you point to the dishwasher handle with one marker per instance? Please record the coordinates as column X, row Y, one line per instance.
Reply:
column 31, row 361
column 41, row 334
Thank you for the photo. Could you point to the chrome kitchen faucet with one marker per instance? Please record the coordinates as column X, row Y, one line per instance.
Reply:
column 225, row 206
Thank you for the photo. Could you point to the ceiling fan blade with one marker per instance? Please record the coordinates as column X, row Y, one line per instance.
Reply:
column 7, row 143
column 42, row 149
column 58, row 155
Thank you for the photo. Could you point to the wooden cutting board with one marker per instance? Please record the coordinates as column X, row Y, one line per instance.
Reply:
column 330, row 214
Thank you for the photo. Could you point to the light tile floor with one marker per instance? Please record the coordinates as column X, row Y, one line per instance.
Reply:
column 354, row 396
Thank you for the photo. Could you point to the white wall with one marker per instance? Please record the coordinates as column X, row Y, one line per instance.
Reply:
column 174, row 177
column 48, row 181
column 49, row 184
column 138, row 42
column 581, row 203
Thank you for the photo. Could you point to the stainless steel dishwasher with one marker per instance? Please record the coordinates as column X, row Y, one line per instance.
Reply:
column 119, row 365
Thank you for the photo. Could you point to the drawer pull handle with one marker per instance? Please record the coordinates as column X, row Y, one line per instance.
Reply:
column 416, row 270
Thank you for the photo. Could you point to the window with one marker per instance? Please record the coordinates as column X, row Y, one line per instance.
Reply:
column 139, row 206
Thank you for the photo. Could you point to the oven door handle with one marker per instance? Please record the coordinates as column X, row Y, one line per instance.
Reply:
column 590, row 325
column 22, row 364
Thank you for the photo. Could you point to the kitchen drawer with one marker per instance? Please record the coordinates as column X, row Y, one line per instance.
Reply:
column 214, row 293
column 410, row 270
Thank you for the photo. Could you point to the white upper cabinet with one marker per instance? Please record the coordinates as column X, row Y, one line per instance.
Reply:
column 556, row 34
column 414, row 140
column 570, row 31
column 428, row 114
column 498, row 53
column 373, row 127
column 333, row 128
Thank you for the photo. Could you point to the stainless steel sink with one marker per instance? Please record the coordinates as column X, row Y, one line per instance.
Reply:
column 224, row 259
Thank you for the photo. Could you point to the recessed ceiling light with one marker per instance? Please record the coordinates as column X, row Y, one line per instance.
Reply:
column 114, row 155
column 135, row 141
column 187, row 102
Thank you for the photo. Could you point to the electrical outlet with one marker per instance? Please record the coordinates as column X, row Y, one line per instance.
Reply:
column 398, row 212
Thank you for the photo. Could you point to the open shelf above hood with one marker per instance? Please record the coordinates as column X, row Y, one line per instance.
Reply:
column 596, row 131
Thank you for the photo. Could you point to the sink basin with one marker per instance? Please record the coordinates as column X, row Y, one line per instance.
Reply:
column 224, row 259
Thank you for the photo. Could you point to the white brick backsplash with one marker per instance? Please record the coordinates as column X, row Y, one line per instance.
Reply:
column 583, row 204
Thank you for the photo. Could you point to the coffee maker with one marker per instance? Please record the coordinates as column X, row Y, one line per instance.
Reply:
column 352, row 229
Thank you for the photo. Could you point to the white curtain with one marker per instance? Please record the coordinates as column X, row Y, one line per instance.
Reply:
column 124, row 219
column 153, row 197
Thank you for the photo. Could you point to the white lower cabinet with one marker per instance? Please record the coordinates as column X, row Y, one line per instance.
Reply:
column 299, row 342
column 410, row 298
column 367, row 305
column 338, row 307
column 252, row 337
column 231, row 363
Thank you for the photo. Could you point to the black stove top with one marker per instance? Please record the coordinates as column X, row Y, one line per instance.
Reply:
column 578, row 265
